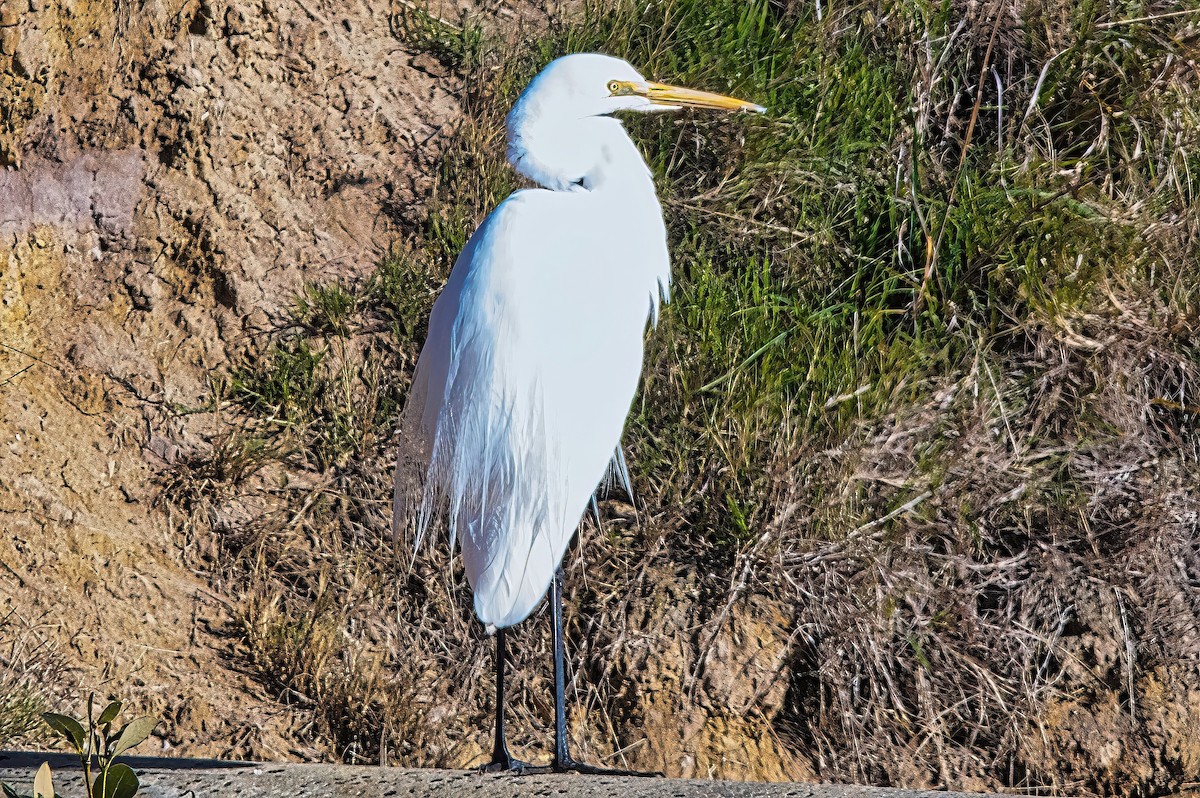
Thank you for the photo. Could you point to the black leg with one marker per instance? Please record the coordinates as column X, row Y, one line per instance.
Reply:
column 563, row 762
column 501, row 761
column 561, row 756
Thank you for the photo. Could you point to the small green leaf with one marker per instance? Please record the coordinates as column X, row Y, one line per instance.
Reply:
column 134, row 732
column 43, row 785
column 109, row 714
column 119, row 781
column 9, row 792
column 68, row 727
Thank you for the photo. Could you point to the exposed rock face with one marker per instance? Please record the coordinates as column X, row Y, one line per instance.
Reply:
column 209, row 157
column 176, row 170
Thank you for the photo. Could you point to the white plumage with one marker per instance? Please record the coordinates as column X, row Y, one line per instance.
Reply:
column 535, row 344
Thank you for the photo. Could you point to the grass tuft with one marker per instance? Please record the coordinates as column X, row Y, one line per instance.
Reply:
column 458, row 45
column 31, row 667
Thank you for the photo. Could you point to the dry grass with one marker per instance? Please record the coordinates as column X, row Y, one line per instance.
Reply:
column 32, row 673
column 1041, row 545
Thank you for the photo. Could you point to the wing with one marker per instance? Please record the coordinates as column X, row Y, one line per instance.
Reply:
column 522, row 389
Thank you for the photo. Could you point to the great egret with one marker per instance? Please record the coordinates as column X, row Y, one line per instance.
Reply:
column 535, row 349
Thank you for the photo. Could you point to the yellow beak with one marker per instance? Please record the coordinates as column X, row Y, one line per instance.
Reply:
column 669, row 96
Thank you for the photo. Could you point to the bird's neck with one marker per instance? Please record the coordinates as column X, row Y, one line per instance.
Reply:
column 589, row 154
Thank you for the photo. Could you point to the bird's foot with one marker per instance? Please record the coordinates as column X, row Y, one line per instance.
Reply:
column 568, row 765
column 506, row 764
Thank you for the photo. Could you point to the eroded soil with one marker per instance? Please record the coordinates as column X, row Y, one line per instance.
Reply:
column 183, row 168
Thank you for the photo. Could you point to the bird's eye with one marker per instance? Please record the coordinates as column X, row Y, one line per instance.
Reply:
column 614, row 87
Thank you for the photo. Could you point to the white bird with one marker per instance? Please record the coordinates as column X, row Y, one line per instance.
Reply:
column 535, row 348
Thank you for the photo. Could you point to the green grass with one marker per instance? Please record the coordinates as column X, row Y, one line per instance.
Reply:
column 325, row 309
column 457, row 45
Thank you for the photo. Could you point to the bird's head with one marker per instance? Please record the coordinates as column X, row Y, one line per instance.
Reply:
column 590, row 84
column 558, row 131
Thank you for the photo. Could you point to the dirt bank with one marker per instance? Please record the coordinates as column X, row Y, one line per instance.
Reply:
column 183, row 168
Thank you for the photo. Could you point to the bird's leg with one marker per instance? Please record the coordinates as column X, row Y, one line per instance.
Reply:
column 562, row 758
column 563, row 763
column 501, row 760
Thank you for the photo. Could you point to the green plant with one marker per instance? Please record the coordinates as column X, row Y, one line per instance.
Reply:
column 100, row 742
column 325, row 308
column 459, row 46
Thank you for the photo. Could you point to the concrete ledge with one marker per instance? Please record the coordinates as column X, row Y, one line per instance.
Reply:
column 205, row 778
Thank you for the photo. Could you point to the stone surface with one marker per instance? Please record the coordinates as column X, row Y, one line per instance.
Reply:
column 178, row 778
